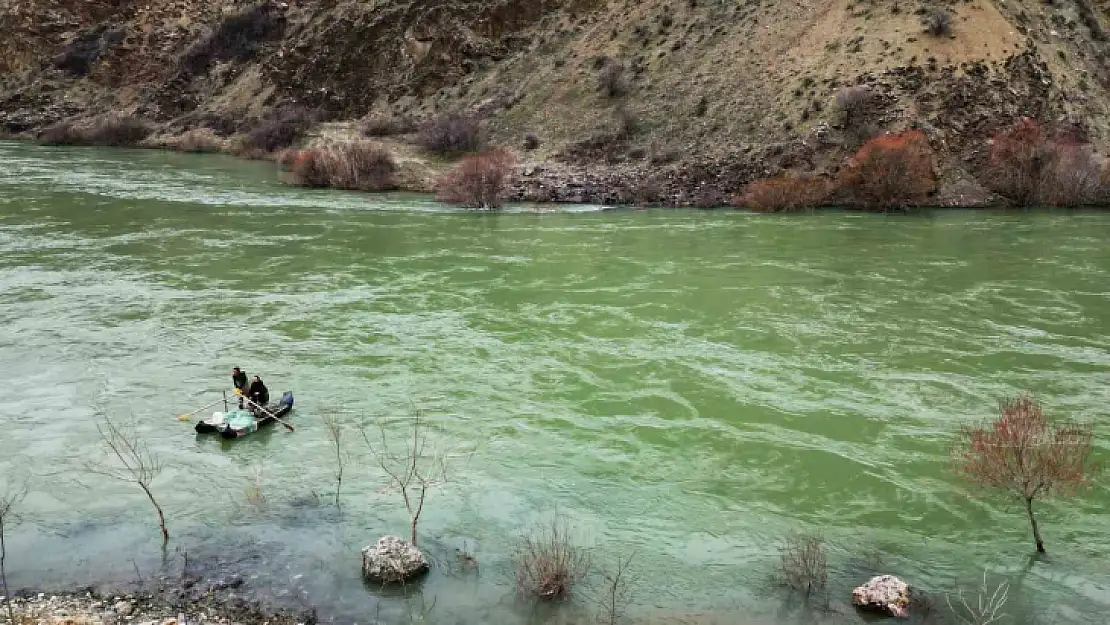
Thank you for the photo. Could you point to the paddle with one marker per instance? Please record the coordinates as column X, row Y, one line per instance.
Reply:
column 185, row 417
column 268, row 413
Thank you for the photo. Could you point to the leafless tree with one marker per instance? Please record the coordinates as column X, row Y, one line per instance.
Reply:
column 1022, row 453
column 617, row 595
column 334, row 427
column 549, row 564
column 10, row 497
column 130, row 460
column 412, row 470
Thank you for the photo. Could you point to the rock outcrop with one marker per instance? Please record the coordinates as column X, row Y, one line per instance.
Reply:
column 392, row 560
column 884, row 594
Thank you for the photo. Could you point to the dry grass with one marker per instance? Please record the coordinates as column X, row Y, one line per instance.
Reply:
column 548, row 564
column 387, row 126
column 356, row 166
column 107, row 130
column 201, row 141
column 479, row 181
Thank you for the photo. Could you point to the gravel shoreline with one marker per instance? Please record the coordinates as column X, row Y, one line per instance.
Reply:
column 91, row 607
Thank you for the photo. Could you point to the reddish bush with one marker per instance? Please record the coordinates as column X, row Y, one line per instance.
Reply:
column 786, row 191
column 1026, row 456
column 890, row 170
column 1030, row 164
column 479, row 181
column 360, row 166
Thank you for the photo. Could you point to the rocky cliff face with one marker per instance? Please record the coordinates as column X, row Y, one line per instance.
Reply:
column 698, row 95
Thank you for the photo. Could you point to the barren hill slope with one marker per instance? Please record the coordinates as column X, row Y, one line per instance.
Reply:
column 707, row 94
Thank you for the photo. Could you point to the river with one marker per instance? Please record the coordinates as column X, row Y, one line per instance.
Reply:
column 686, row 387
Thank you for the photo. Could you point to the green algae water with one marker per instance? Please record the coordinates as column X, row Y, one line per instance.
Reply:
column 684, row 387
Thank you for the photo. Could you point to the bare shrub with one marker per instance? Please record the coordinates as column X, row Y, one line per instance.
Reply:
column 854, row 105
column 413, row 469
column 1029, row 164
column 107, row 130
column 237, row 37
column 627, row 123
column 548, row 564
column 130, row 460
column 356, row 166
column 785, row 192
column 531, row 141
column 890, row 170
column 253, row 491
column 387, row 126
column 479, row 181
column 939, row 23
column 802, row 565
column 200, row 140
column 281, row 129
column 61, row 133
column 617, row 592
column 10, row 497
column 451, row 134
column 984, row 608
column 611, row 79
column 333, row 425
column 1024, row 455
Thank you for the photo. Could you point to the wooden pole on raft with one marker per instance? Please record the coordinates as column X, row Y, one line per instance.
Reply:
column 225, row 401
column 268, row 413
column 185, row 417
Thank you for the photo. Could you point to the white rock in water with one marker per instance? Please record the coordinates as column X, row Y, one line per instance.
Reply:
column 885, row 593
column 123, row 608
column 391, row 560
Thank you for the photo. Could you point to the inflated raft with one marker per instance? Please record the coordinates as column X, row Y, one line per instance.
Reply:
column 239, row 423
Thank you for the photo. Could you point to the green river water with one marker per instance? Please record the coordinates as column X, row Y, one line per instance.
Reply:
column 686, row 387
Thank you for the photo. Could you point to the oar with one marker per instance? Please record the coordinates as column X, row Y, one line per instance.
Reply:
column 185, row 417
column 268, row 413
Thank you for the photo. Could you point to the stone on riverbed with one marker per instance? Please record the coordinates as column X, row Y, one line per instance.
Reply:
column 392, row 560
column 885, row 593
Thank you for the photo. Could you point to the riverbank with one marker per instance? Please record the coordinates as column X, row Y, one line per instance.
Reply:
column 105, row 607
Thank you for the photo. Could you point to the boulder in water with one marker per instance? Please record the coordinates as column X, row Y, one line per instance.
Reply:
column 884, row 593
column 392, row 560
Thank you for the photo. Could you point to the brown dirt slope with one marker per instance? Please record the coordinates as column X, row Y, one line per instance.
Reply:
column 710, row 94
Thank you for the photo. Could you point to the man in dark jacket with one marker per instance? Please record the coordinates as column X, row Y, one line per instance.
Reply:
column 258, row 393
column 239, row 379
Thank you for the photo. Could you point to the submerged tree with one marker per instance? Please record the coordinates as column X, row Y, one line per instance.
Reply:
column 413, row 469
column 10, row 497
column 134, row 462
column 1024, row 454
column 336, row 431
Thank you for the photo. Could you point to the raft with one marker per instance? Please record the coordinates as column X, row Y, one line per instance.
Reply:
column 238, row 423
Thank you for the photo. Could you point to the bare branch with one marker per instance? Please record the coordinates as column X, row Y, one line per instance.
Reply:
column 134, row 462
column 984, row 609
column 10, row 497
column 414, row 470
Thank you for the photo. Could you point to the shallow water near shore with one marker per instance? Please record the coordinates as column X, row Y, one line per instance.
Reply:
column 685, row 387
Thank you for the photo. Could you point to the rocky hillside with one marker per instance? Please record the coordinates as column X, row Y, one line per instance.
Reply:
column 690, row 98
